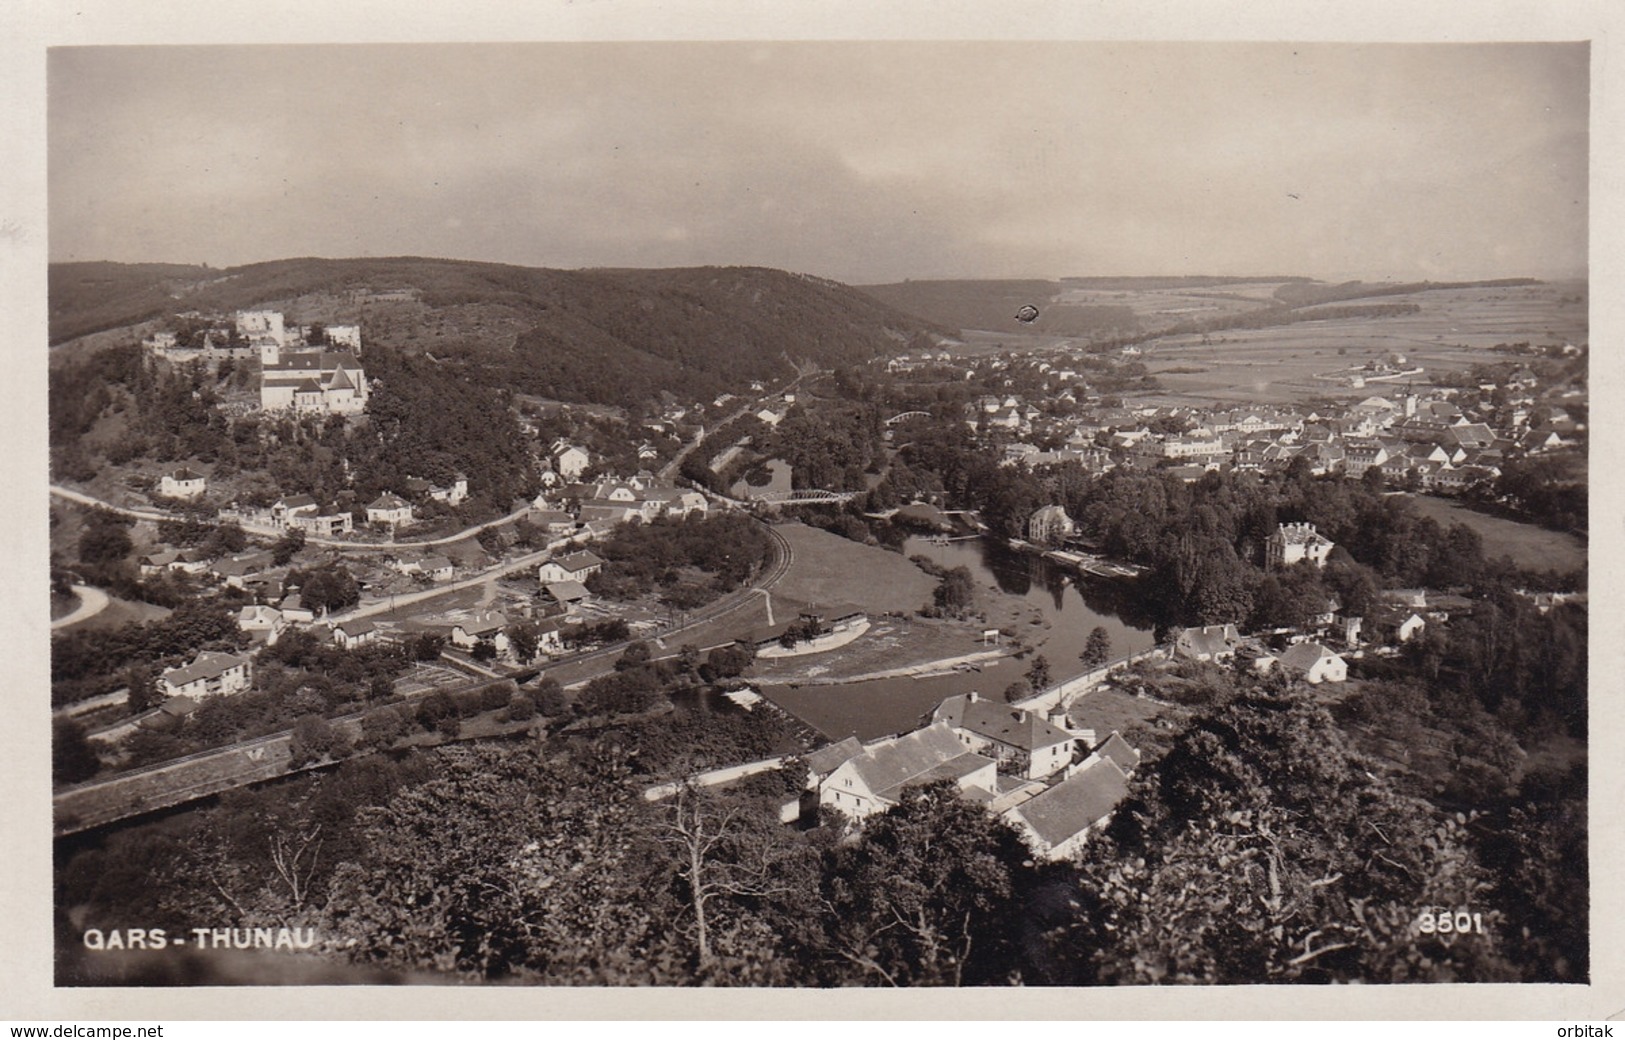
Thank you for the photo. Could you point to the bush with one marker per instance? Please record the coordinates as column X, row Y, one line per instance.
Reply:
column 521, row 708
column 382, row 728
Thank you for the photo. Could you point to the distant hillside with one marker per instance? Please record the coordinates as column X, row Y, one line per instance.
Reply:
column 991, row 305
column 91, row 297
column 611, row 336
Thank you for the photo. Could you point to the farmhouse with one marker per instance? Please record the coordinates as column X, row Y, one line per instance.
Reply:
column 262, row 623
column 490, row 627
column 569, row 461
column 1208, row 643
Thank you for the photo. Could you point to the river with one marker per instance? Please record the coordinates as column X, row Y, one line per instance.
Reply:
column 1072, row 606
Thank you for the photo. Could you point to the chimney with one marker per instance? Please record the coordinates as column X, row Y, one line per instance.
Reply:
column 971, row 697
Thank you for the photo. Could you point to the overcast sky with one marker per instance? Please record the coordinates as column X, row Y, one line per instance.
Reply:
column 856, row 161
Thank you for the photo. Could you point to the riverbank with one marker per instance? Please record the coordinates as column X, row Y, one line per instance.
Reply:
column 922, row 670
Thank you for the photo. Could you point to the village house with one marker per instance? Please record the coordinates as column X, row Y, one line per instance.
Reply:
column 351, row 634
column 294, row 610
column 1021, row 742
column 576, row 566
column 323, row 526
column 873, row 780
column 438, row 568
column 1049, row 526
column 1293, row 543
column 210, row 674
column 1057, row 823
column 284, row 510
column 1314, row 663
column 570, row 461
column 391, row 509
column 155, row 563
column 555, row 522
column 467, row 634
column 262, row 623
column 453, row 494
column 236, row 570
column 183, row 483
column 1209, row 643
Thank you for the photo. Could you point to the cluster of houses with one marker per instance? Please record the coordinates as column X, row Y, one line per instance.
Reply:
column 1426, row 440
column 1055, row 785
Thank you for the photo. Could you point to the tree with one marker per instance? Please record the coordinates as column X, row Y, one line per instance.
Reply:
column 225, row 539
column 326, row 588
column 427, row 646
column 1261, row 846
column 314, row 738
column 551, row 698
column 287, row 546
column 72, row 758
column 381, row 728
column 520, row 708
column 1019, row 690
column 484, row 650
column 931, row 894
column 956, row 592
column 1038, row 672
column 1098, row 650
column 142, row 682
column 721, row 851
column 636, row 655
column 525, row 638
column 104, row 543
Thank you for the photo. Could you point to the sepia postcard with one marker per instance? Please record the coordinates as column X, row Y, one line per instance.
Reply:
column 831, row 513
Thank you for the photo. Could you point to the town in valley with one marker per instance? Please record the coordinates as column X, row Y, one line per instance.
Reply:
column 798, row 516
column 1020, row 588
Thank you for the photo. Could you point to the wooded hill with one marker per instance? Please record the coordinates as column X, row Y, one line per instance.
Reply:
column 610, row 336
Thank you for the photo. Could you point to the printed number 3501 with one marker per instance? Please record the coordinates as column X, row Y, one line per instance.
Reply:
column 1445, row 922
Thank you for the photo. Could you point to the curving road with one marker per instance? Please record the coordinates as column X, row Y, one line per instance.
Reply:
column 310, row 539
column 92, row 601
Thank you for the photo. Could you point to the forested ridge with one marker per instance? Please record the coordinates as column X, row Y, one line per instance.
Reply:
column 617, row 337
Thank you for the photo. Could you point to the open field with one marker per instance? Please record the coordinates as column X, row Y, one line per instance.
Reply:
column 1528, row 545
column 828, row 569
column 890, row 643
column 1162, row 307
column 1454, row 329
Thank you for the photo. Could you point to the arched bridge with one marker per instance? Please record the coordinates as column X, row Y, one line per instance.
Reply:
column 906, row 416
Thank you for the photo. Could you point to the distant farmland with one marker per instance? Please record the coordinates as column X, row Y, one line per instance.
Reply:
column 1454, row 329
